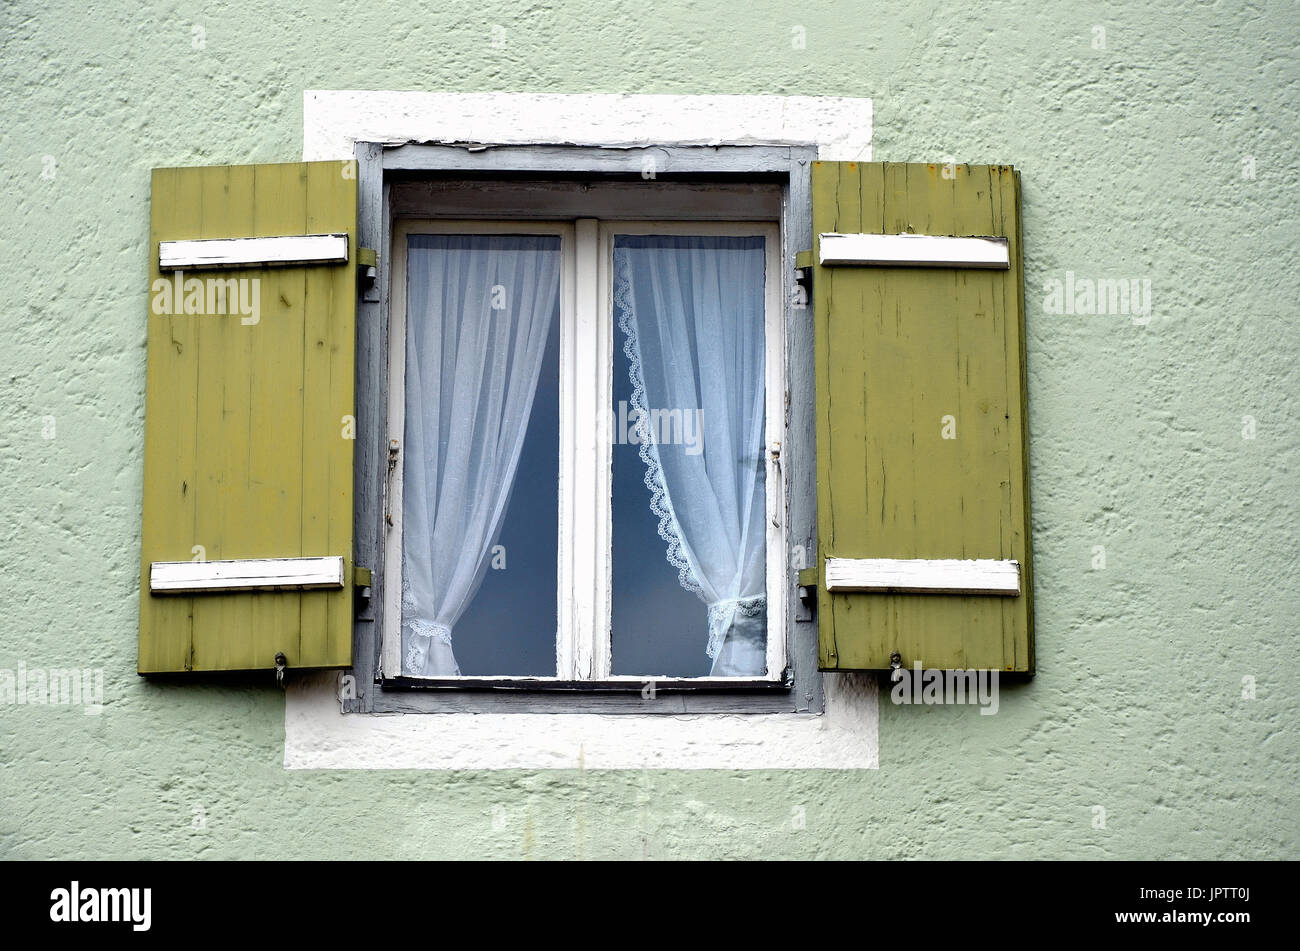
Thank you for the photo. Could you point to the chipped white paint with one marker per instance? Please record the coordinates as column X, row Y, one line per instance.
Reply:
column 924, row 575
column 251, row 574
column 316, row 734
column 914, row 250
column 253, row 252
column 335, row 120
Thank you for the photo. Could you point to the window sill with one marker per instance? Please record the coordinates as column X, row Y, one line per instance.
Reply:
column 319, row 736
column 615, row 696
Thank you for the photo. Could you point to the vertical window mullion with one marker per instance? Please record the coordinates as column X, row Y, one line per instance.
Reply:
column 582, row 649
column 778, row 576
column 391, row 652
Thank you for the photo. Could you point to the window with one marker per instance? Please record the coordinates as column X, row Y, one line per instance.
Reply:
column 599, row 293
column 579, row 663
column 585, row 420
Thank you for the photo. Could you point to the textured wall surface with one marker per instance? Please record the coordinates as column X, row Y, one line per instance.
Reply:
column 1155, row 144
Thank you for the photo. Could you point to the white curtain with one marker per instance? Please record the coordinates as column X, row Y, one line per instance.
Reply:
column 691, row 310
column 479, row 310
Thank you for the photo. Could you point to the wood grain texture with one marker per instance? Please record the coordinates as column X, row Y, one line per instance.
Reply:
column 904, row 358
column 245, row 450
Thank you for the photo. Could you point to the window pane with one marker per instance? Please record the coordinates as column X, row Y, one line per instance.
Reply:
column 689, row 502
column 480, row 464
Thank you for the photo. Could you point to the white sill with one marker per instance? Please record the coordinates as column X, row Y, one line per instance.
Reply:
column 614, row 682
column 318, row 736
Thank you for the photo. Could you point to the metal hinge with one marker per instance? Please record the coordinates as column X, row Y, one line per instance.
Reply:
column 807, row 581
column 368, row 273
column 362, row 583
column 801, row 290
column 368, row 264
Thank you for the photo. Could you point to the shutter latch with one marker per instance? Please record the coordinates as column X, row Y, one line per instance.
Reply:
column 393, row 448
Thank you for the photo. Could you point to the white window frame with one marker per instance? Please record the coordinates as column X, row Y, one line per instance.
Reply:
column 585, row 555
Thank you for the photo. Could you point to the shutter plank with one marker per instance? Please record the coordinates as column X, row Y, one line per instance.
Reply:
column 170, row 484
column 328, row 383
column 220, row 412
column 273, row 527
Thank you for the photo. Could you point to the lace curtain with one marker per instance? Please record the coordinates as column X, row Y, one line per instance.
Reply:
column 691, row 311
column 479, row 309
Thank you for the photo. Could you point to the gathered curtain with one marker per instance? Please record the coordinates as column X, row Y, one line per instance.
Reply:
column 691, row 310
column 479, row 311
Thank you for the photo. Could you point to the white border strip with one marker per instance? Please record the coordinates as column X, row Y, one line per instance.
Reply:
column 250, row 574
column 253, row 252
column 924, row 576
column 914, row 250
column 335, row 120
column 316, row 734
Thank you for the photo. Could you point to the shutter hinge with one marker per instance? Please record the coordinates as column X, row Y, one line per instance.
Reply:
column 807, row 581
column 368, row 273
column 362, row 581
column 801, row 290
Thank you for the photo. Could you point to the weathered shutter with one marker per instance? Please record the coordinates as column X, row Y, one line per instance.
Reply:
column 247, row 532
column 922, row 484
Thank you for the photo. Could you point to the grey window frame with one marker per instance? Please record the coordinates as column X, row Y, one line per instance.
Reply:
column 378, row 164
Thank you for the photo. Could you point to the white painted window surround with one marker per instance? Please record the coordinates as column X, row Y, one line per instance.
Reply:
column 317, row 735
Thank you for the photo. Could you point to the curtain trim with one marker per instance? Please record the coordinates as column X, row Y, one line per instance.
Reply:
column 660, row 500
column 722, row 617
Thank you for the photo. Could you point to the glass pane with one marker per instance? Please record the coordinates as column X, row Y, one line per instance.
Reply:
column 480, row 464
column 689, row 476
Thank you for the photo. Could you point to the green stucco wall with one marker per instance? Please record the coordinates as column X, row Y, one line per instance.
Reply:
column 1135, row 161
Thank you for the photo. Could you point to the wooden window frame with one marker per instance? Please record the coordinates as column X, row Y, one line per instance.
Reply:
column 595, row 178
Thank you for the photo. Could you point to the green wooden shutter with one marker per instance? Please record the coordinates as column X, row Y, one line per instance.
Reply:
column 248, row 420
column 906, row 354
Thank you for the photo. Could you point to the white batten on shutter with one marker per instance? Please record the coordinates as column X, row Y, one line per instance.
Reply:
column 253, row 252
column 913, row 250
column 250, row 574
column 924, row 576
